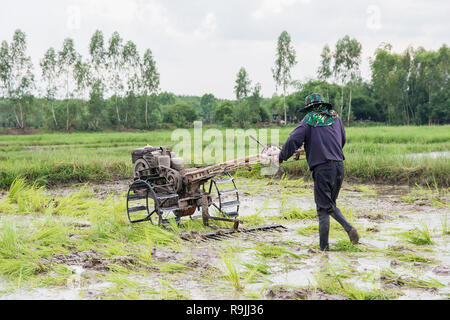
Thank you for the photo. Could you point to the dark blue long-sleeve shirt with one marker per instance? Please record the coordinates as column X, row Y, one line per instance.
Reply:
column 321, row 143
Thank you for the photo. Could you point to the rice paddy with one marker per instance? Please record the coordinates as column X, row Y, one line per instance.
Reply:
column 373, row 154
column 64, row 233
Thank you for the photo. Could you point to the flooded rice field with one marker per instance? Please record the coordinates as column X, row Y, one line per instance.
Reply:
column 403, row 251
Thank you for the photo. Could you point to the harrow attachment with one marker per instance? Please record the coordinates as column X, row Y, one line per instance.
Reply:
column 229, row 233
column 163, row 190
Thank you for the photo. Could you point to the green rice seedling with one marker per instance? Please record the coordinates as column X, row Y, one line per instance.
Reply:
column 256, row 218
column 419, row 236
column 232, row 272
column 348, row 213
column 32, row 200
column 120, row 269
column 57, row 276
column 262, row 268
column 389, row 276
column 75, row 204
column 174, row 226
column 147, row 252
column 335, row 229
column 7, row 207
column 345, row 245
column 308, row 230
column 331, row 282
column 161, row 236
column 283, row 180
column 444, row 222
column 366, row 190
column 172, row 267
column 296, row 213
column 16, row 261
column 425, row 195
column 10, row 245
column 16, row 189
column 168, row 292
column 404, row 254
column 124, row 288
column 18, row 269
column 51, row 235
column 270, row 251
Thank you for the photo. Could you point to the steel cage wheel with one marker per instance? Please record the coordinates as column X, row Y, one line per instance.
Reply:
column 139, row 191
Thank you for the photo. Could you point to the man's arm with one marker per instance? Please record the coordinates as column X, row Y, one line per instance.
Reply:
column 295, row 141
column 344, row 138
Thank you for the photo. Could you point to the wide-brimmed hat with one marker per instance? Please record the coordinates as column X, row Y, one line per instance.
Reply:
column 313, row 100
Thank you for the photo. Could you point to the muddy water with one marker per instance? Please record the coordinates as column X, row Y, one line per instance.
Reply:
column 381, row 218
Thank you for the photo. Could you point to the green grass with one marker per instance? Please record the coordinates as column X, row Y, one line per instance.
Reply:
column 271, row 251
column 345, row 245
column 296, row 213
column 390, row 277
column 379, row 154
column 75, row 222
column 419, row 236
column 405, row 254
column 333, row 282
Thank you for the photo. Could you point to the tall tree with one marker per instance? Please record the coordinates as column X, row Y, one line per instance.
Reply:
column 149, row 79
column 324, row 72
column 81, row 74
column 242, row 86
column 49, row 67
column 16, row 75
column 97, row 78
column 208, row 105
column 5, row 69
column 284, row 62
column 131, row 75
column 115, row 65
column 97, row 58
column 383, row 68
column 67, row 59
column 347, row 59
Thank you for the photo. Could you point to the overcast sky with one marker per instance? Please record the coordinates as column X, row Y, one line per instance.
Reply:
column 200, row 45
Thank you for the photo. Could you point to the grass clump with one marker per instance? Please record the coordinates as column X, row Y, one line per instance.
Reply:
column 333, row 283
column 28, row 198
column 232, row 272
column 17, row 262
column 404, row 254
column 345, row 245
column 296, row 213
column 270, row 251
column 308, row 230
column 168, row 292
column 390, row 277
column 428, row 195
column 419, row 236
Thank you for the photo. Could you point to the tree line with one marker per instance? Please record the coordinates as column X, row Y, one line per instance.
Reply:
column 115, row 87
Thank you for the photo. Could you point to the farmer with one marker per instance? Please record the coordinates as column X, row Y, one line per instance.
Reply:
column 323, row 134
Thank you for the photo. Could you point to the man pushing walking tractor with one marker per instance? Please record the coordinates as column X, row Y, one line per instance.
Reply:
column 322, row 133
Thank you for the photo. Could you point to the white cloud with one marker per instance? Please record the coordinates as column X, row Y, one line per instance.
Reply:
column 269, row 7
column 112, row 10
column 208, row 26
column 200, row 45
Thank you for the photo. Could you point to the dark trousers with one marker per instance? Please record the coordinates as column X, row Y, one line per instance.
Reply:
column 328, row 179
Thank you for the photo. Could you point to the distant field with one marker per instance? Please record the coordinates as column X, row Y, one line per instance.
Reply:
column 373, row 154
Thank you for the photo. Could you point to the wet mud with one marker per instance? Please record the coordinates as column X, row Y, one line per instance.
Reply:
column 385, row 259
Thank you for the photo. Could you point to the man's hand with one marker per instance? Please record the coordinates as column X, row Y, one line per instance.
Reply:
column 271, row 153
column 299, row 153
